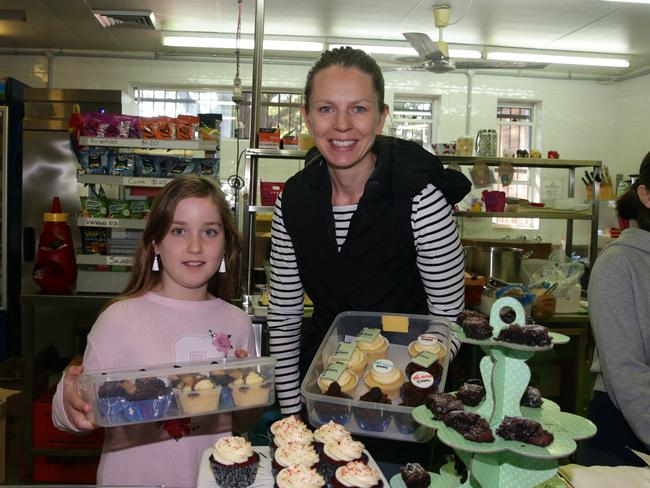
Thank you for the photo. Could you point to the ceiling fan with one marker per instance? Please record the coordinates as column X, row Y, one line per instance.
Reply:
column 434, row 56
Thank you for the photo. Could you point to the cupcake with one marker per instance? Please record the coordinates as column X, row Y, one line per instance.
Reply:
column 294, row 453
column 413, row 393
column 340, row 373
column 298, row 435
column 428, row 362
column 299, row 477
column 147, row 399
column 415, row 476
column 350, row 355
column 287, row 423
column 357, row 475
column 373, row 418
column 250, row 390
column 337, row 412
column 372, row 343
column 110, row 401
column 429, row 343
column 197, row 395
column 386, row 376
column 337, row 453
column 330, row 431
column 233, row 462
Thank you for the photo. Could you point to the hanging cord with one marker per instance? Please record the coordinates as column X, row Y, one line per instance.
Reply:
column 235, row 181
column 469, row 4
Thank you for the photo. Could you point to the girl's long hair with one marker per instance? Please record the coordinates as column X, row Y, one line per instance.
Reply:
column 143, row 279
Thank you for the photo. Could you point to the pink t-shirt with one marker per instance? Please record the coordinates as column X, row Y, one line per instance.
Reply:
column 150, row 330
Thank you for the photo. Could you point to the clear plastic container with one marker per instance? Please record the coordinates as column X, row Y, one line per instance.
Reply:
column 168, row 391
column 367, row 418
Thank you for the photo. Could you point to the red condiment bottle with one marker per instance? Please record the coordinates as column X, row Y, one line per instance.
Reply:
column 55, row 269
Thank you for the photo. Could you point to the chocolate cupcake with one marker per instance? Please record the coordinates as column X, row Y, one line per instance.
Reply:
column 111, row 402
column 373, row 419
column 524, row 430
column 339, row 413
column 413, row 394
column 233, row 462
column 147, row 399
column 415, row 476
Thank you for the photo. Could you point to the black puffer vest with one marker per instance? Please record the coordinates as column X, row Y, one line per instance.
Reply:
column 376, row 268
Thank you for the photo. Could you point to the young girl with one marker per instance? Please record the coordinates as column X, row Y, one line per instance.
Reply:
column 174, row 309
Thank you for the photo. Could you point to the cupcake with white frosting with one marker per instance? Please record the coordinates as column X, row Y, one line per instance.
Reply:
column 297, row 434
column 294, row 453
column 330, row 431
column 299, row 477
column 386, row 376
column 233, row 462
column 429, row 343
column 357, row 475
column 337, row 453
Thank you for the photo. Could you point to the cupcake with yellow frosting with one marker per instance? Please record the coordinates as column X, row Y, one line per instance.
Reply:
column 386, row 376
column 197, row 395
column 250, row 390
column 341, row 374
column 427, row 342
column 233, row 462
column 294, row 453
column 299, row 477
column 337, row 453
column 372, row 344
column 349, row 354
column 357, row 475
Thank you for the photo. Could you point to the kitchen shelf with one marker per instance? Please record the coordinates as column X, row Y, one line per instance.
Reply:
column 527, row 215
column 148, row 143
column 102, row 259
column 523, row 162
column 275, row 153
column 112, row 223
column 122, row 180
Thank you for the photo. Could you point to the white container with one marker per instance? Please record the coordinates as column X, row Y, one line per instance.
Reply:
column 568, row 299
column 122, row 396
column 400, row 425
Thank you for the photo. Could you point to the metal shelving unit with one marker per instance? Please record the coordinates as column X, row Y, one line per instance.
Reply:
column 570, row 165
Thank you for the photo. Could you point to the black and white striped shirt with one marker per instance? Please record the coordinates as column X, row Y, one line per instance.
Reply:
column 439, row 260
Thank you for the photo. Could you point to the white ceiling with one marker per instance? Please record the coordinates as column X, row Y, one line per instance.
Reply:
column 593, row 26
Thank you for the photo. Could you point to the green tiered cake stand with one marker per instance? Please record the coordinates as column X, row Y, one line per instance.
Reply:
column 503, row 463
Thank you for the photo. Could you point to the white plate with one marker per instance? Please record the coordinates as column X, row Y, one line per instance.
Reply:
column 264, row 477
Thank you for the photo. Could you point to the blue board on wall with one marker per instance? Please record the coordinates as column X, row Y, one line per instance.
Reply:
column 3, row 88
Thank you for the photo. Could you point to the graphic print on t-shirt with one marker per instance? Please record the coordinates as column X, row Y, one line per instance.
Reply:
column 195, row 347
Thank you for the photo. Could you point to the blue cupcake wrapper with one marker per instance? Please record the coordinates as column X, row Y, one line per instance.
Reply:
column 371, row 421
column 145, row 410
column 226, row 400
column 405, row 423
column 326, row 412
column 112, row 409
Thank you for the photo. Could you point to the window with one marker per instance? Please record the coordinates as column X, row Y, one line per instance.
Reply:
column 516, row 129
column 278, row 109
column 412, row 119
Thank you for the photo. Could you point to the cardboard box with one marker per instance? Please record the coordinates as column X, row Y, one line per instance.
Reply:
column 45, row 435
column 7, row 397
column 269, row 138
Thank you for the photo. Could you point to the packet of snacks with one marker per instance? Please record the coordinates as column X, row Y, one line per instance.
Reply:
column 121, row 164
column 166, row 128
column 186, row 127
column 147, row 165
column 93, row 161
column 139, row 209
column 148, row 127
column 94, row 124
column 118, row 209
column 181, row 166
column 95, row 204
column 207, row 167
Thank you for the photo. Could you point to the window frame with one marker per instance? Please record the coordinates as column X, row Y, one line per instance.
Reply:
column 430, row 121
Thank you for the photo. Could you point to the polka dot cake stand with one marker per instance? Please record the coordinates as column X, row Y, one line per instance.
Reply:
column 506, row 463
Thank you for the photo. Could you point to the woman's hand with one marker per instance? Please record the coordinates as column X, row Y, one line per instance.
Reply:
column 75, row 407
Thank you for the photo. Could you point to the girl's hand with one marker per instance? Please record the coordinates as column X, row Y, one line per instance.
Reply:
column 241, row 353
column 75, row 407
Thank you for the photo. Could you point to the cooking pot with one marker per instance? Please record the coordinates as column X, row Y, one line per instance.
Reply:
column 503, row 263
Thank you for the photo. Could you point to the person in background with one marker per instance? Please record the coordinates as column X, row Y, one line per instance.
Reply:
column 174, row 309
column 619, row 309
column 366, row 225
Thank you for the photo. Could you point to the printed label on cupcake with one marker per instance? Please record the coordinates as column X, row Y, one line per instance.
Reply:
column 383, row 366
column 334, row 371
column 427, row 340
column 425, row 359
column 368, row 335
column 422, row 379
column 344, row 351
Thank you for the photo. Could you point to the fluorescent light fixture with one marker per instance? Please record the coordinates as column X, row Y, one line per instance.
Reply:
column 407, row 51
column 557, row 59
column 229, row 43
column 629, row 1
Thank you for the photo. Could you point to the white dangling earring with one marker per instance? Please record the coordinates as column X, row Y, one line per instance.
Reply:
column 155, row 266
column 222, row 267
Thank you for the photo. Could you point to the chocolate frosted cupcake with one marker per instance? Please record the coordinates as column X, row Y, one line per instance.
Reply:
column 233, row 462
column 413, row 393
column 356, row 475
column 339, row 453
column 475, row 325
column 330, row 431
column 111, row 401
column 147, row 399
column 373, row 418
column 299, row 477
column 415, row 476
column 339, row 413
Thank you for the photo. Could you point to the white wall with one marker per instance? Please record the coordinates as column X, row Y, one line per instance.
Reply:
column 581, row 119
